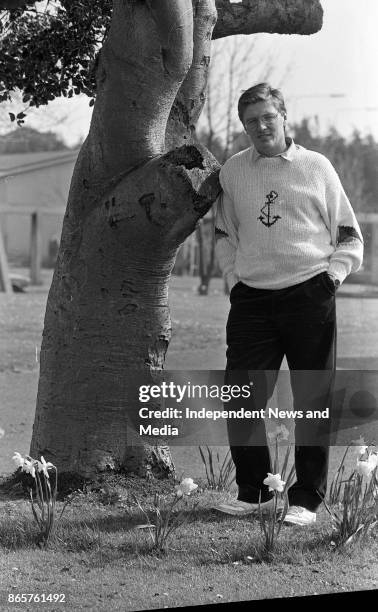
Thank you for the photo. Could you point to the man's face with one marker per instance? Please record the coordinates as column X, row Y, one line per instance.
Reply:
column 264, row 125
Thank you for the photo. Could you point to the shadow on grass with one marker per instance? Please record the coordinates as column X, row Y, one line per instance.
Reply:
column 237, row 542
column 80, row 525
column 131, row 516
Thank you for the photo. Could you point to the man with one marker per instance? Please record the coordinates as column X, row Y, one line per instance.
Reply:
column 287, row 237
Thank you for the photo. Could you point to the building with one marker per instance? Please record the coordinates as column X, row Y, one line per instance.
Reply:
column 33, row 183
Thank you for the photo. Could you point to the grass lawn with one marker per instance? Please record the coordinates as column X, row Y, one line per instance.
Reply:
column 99, row 560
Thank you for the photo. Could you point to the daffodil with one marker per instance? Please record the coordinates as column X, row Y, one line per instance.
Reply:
column 361, row 450
column 18, row 459
column 280, row 433
column 42, row 495
column 44, row 466
column 29, row 467
column 274, row 482
column 186, row 487
column 366, row 467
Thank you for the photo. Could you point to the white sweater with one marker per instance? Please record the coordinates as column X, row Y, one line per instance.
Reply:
column 283, row 219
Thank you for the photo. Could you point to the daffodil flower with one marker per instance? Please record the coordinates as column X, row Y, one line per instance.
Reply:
column 43, row 466
column 18, row 459
column 366, row 467
column 186, row 487
column 29, row 467
column 274, row 482
column 361, row 450
column 280, row 433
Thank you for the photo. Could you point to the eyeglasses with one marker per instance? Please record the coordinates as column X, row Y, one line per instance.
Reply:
column 267, row 119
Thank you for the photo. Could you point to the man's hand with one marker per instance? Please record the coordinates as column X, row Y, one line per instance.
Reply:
column 334, row 280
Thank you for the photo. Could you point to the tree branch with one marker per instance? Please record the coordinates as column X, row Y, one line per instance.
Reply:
column 272, row 16
column 191, row 96
column 144, row 60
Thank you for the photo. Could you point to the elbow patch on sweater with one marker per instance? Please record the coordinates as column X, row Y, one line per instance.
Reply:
column 345, row 234
column 219, row 233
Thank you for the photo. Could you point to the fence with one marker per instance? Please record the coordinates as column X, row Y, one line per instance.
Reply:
column 35, row 243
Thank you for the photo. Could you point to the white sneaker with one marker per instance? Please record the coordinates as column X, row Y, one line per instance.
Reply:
column 296, row 515
column 236, row 507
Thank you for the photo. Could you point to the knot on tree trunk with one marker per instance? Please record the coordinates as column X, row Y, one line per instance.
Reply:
column 159, row 203
column 188, row 156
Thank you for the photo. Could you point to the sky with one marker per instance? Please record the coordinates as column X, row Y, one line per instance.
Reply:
column 331, row 74
column 340, row 59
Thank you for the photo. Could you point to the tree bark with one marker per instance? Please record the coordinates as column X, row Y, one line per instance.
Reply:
column 130, row 206
column 272, row 16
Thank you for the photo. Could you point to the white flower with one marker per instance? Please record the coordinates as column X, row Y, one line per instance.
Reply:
column 360, row 450
column 186, row 487
column 366, row 467
column 274, row 482
column 18, row 459
column 29, row 467
column 280, row 433
column 43, row 466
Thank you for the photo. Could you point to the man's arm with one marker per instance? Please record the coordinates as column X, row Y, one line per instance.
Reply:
column 345, row 232
column 226, row 235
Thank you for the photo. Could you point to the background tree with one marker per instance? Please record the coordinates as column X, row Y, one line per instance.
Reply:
column 26, row 140
column 140, row 185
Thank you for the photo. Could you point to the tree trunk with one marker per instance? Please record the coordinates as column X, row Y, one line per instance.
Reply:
column 107, row 313
column 130, row 207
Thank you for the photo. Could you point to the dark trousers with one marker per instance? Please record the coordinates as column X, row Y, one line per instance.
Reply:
column 263, row 326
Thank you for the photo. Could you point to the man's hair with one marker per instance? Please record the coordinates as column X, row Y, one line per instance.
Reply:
column 261, row 93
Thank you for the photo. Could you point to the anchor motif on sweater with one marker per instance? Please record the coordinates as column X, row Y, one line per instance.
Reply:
column 265, row 218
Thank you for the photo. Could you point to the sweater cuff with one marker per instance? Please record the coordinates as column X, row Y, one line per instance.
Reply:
column 337, row 270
